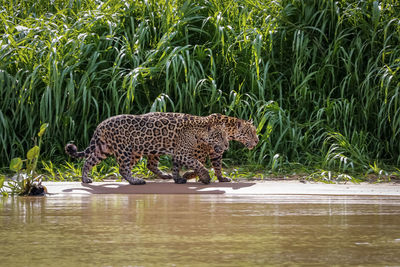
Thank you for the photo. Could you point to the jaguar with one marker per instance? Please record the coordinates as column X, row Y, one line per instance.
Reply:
column 234, row 128
column 130, row 137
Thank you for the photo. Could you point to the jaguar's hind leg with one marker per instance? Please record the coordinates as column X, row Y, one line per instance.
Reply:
column 134, row 159
column 100, row 152
column 216, row 161
column 175, row 172
column 195, row 165
column 201, row 156
column 90, row 161
column 152, row 165
column 124, row 161
column 189, row 175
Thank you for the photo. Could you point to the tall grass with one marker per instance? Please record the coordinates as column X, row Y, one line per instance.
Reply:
column 319, row 78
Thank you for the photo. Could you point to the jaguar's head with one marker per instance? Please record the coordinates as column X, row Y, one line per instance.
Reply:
column 217, row 138
column 246, row 133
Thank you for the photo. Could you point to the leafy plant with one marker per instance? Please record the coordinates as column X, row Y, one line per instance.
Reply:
column 3, row 191
column 380, row 175
column 27, row 181
column 332, row 177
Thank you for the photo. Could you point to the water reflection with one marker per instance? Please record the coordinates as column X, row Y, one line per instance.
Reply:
column 198, row 230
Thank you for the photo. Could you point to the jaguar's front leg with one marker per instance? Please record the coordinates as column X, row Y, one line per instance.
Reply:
column 216, row 162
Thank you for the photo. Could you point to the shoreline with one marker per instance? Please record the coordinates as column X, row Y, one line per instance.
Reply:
column 290, row 187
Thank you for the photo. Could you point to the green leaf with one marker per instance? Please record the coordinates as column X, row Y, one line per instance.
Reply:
column 16, row 164
column 2, row 178
column 43, row 129
column 33, row 153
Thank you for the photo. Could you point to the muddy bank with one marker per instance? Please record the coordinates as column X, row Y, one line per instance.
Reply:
column 234, row 188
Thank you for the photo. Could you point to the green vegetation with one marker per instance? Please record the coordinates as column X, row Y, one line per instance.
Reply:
column 26, row 181
column 319, row 78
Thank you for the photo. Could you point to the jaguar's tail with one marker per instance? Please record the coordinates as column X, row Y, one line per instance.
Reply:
column 72, row 151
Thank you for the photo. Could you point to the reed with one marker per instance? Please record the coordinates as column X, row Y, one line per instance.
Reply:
column 319, row 78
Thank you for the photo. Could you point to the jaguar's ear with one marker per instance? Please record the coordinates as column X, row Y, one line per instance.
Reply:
column 251, row 121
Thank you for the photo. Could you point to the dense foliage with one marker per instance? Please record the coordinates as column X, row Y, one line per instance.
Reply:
column 319, row 78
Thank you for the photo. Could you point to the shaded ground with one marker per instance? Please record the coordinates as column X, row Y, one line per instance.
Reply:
column 234, row 188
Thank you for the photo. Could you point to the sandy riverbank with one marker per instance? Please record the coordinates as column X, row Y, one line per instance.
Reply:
column 234, row 188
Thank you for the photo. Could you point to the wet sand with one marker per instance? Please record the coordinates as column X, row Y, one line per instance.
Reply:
column 234, row 188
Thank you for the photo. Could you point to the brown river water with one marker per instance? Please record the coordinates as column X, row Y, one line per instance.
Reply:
column 199, row 230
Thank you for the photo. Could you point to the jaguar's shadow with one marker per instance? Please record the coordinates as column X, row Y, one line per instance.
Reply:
column 158, row 188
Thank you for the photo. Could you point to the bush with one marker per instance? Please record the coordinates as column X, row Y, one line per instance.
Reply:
column 319, row 78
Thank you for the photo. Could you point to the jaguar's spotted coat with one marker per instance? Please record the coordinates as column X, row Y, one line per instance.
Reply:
column 129, row 137
column 235, row 129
